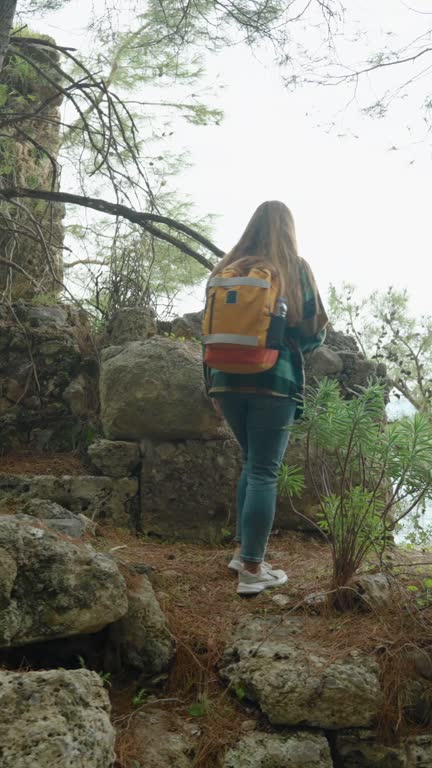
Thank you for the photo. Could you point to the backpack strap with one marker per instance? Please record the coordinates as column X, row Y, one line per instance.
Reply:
column 226, row 282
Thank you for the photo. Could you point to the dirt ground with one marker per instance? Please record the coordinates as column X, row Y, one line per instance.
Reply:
column 197, row 593
column 26, row 463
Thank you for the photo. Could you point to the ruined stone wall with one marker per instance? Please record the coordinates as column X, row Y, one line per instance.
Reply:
column 152, row 393
column 155, row 421
column 48, row 377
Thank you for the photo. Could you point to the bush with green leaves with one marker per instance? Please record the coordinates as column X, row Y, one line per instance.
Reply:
column 367, row 473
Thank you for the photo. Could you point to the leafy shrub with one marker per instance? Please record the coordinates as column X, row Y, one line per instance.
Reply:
column 368, row 474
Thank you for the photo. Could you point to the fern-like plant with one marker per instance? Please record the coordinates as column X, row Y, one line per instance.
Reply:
column 367, row 473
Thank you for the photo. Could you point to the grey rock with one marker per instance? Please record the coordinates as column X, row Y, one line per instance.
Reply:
column 155, row 389
column 130, row 324
column 374, row 590
column 59, row 589
column 142, row 637
column 270, row 750
column 324, row 362
column 51, row 316
column 75, row 527
column 100, row 498
column 294, row 683
column 55, row 719
column 361, row 749
column 40, row 439
column 281, row 600
column 422, row 659
column 340, row 341
column 162, row 739
column 141, row 568
column 188, row 326
column 115, row 458
column 76, row 396
column 316, row 601
column 47, row 510
column 8, row 574
column 415, row 694
column 188, row 488
column 363, row 372
column 59, row 518
column 40, row 417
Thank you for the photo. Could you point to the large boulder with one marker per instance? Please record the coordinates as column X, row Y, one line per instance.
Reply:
column 294, row 682
column 341, row 358
column 189, row 326
column 115, row 458
column 57, row 518
column 324, row 362
column 188, row 490
column 141, row 638
column 100, row 498
column 272, row 750
column 155, row 389
column 52, row 587
column 55, row 719
column 130, row 324
column 361, row 749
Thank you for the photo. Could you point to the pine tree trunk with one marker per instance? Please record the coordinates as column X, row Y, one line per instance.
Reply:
column 7, row 13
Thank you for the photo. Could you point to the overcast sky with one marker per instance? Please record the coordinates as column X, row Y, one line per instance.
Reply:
column 363, row 210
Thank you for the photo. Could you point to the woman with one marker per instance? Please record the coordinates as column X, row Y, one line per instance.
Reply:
column 260, row 407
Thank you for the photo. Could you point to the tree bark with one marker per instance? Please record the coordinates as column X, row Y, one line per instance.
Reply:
column 7, row 13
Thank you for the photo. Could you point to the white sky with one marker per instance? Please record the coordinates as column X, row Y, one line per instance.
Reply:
column 363, row 212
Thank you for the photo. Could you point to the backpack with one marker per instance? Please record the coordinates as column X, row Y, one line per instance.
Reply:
column 244, row 320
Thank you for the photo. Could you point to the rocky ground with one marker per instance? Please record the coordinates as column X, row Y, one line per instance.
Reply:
column 196, row 676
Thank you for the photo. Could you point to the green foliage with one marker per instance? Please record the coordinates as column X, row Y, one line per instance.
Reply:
column 369, row 474
column 199, row 708
column 226, row 534
column 88, row 434
column 45, row 300
column 417, row 533
column 4, row 94
column 422, row 593
column 7, row 157
column 240, row 692
column 27, row 7
column 290, row 481
column 104, row 676
column 140, row 697
column 387, row 331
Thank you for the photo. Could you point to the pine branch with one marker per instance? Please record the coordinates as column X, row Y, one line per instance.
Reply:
column 145, row 220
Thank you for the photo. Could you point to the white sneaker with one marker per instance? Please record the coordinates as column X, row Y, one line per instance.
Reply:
column 266, row 578
column 235, row 564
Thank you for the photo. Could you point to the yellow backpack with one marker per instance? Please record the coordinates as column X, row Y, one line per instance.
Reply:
column 244, row 320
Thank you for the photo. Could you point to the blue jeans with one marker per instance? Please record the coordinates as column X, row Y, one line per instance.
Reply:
column 261, row 425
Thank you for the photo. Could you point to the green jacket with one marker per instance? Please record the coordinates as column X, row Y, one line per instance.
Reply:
column 285, row 379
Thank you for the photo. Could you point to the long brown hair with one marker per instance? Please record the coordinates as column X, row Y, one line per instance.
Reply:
column 270, row 238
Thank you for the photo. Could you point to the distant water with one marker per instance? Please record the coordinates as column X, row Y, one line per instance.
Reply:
column 417, row 524
column 396, row 409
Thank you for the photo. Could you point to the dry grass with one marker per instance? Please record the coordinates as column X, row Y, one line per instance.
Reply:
column 41, row 464
column 197, row 594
